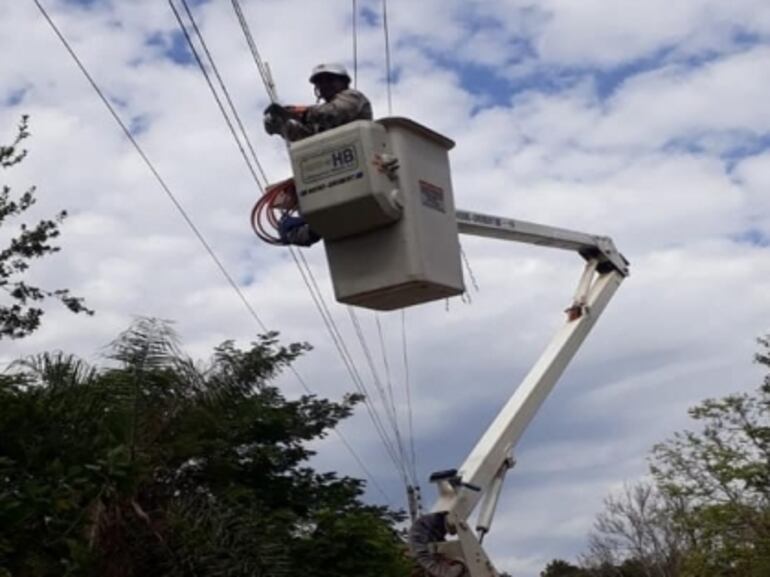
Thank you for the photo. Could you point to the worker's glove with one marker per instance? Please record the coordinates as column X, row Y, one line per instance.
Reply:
column 294, row 230
column 275, row 118
column 277, row 111
column 272, row 124
column 297, row 112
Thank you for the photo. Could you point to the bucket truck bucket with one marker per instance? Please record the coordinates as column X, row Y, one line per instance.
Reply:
column 380, row 195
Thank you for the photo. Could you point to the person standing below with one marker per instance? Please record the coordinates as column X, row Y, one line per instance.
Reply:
column 338, row 104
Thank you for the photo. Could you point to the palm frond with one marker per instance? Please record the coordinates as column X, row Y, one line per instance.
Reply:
column 55, row 369
column 148, row 344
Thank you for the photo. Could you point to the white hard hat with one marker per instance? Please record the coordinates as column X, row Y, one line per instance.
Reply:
column 333, row 69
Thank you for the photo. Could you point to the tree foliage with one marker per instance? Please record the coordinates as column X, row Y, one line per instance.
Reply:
column 161, row 466
column 636, row 534
column 722, row 473
column 707, row 511
column 561, row 568
column 19, row 313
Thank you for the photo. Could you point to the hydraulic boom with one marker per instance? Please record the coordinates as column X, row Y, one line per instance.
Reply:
column 480, row 478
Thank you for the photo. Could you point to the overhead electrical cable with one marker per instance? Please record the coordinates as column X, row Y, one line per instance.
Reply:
column 262, row 67
column 187, row 218
column 387, row 404
column 383, row 395
column 223, row 87
column 391, row 397
column 355, row 44
column 154, row 171
column 387, row 55
column 389, row 83
column 394, row 452
column 385, row 363
column 328, row 320
column 307, row 278
column 346, row 443
column 408, row 387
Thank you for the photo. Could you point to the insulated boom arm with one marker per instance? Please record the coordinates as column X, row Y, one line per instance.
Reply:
column 588, row 245
column 481, row 475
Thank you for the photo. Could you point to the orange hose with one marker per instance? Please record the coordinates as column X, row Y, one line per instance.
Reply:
column 278, row 200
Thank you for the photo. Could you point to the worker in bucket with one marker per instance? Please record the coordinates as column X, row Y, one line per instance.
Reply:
column 337, row 104
column 341, row 104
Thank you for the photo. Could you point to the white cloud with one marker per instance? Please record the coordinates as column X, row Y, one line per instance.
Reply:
column 681, row 328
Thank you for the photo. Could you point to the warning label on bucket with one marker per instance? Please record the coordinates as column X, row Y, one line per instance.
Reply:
column 432, row 196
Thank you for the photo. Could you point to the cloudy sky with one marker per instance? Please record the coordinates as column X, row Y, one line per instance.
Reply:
column 645, row 121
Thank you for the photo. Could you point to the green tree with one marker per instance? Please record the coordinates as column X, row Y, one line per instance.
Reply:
column 561, row 568
column 158, row 465
column 19, row 313
column 722, row 473
column 636, row 535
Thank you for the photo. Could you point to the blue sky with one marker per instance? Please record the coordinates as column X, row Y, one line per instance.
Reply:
column 646, row 122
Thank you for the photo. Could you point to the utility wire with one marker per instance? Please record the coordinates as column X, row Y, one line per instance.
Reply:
column 345, row 442
column 187, row 218
column 154, row 171
column 355, row 44
column 309, row 280
column 315, row 291
column 264, row 72
column 222, row 86
column 408, row 386
column 348, row 362
column 391, row 397
column 387, row 54
column 385, row 363
column 387, row 405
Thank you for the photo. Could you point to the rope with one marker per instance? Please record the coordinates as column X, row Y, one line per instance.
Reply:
column 467, row 263
column 407, row 385
column 154, row 171
column 385, row 363
column 309, row 280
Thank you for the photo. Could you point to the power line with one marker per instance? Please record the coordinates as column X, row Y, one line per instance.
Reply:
column 223, row 87
column 312, row 286
column 408, row 386
column 154, row 171
column 387, row 54
column 345, row 442
column 187, row 219
column 264, row 71
column 388, row 406
column 347, row 359
column 355, row 44
column 337, row 337
column 391, row 398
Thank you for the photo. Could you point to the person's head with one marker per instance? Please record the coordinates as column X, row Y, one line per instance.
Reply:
column 329, row 80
